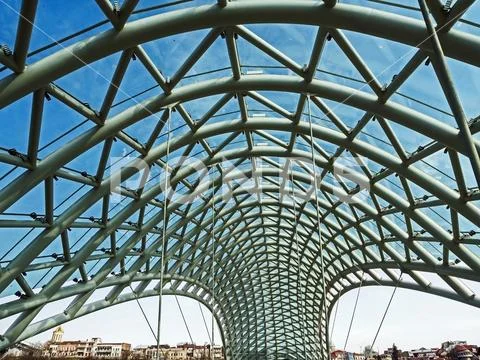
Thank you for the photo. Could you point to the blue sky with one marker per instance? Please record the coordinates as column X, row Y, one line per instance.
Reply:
column 385, row 58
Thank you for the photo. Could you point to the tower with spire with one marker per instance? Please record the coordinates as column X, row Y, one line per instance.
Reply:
column 57, row 335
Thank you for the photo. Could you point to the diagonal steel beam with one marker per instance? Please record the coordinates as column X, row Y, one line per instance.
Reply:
column 448, row 87
column 24, row 32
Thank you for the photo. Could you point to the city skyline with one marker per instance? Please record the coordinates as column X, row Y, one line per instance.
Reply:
column 407, row 307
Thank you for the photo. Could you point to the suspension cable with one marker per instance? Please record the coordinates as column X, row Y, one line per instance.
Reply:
column 385, row 313
column 205, row 322
column 322, row 263
column 42, row 278
column 164, row 252
column 184, row 320
column 143, row 312
column 334, row 318
column 212, row 233
column 8, row 172
column 33, row 228
column 300, row 287
column 353, row 313
column 16, row 243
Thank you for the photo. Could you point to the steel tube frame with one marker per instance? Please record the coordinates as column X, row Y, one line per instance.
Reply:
column 349, row 17
column 253, row 254
column 428, row 126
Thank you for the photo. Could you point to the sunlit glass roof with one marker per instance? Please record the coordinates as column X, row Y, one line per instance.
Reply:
column 261, row 157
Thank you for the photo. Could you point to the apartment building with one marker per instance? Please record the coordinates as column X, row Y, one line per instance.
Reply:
column 94, row 347
column 345, row 355
column 180, row 352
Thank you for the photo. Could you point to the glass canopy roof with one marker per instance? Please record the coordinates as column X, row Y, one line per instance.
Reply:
column 300, row 148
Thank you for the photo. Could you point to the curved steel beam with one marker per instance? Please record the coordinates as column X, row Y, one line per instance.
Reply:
column 449, row 196
column 418, row 219
column 444, row 134
column 390, row 26
column 61, row 318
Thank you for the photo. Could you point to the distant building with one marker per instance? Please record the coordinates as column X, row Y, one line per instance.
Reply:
column 87, row 348
column 393, row 351
column 218, row 352
column 372, row 355
column 180, row 352
column 94, row 347
column 449, row 345
column 23, row 349
column 423, row 353
column 149, row 352
column 458, row 350
column 345, row 355
column 61, row 349
column 449, row 350
column 57, row 335
column 113, row 350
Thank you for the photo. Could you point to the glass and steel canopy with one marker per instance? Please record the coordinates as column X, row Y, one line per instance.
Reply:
column 262, row 157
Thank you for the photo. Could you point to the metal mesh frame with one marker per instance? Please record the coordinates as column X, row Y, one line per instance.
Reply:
column 266, row 300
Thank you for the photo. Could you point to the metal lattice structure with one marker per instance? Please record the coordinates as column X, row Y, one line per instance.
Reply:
column 251, row 254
